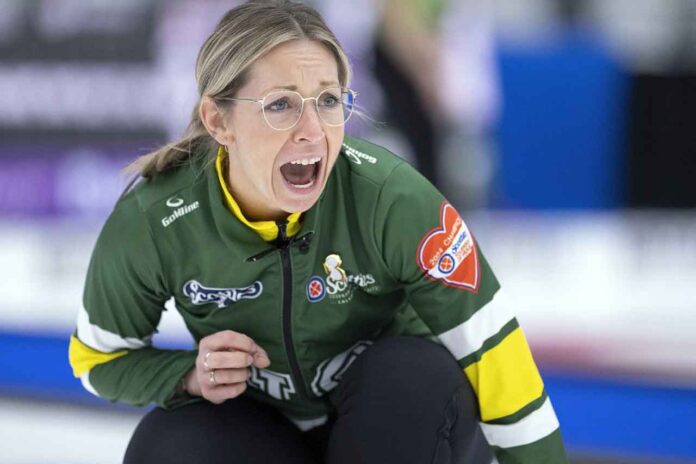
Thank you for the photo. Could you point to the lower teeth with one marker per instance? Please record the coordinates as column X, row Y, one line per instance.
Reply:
column 307, row 185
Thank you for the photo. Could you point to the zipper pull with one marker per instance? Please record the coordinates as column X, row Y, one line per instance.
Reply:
column 282, row 233
column 253, row 259
column 303, row 242
column 281, row 242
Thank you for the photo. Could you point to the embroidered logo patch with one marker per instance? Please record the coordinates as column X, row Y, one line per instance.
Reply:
column 316, row 289
column 180, row 211
column 175, row 202
column 356, row 156
column 330, row 371
column 275, row 384
column 447, row 253
column 223, row 297
column 332, row 267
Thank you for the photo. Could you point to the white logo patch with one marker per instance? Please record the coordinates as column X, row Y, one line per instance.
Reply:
column 175, row 202
column 275, row 384
column 223, row 297
column 357, row 156
column 340, row 286
column 330, row 372
column 179, row 212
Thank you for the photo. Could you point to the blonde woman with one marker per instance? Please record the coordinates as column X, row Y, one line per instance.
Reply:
column 342, row 310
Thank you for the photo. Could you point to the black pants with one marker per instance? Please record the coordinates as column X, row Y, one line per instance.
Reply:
column 405, row 400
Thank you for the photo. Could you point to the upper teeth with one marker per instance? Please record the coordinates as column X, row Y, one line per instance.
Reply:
column 306, row 162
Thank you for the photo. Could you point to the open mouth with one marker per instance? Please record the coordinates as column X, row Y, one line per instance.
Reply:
column 301, row 174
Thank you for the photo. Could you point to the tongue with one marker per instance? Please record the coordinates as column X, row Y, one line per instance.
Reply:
column 298, row 174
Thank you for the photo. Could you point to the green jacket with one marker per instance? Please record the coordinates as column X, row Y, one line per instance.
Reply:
column 380, row 253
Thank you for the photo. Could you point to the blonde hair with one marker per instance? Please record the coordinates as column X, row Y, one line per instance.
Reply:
column 244, row 34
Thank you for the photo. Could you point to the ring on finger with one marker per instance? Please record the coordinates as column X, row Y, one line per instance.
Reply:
column 205, row 361
column 212, row 377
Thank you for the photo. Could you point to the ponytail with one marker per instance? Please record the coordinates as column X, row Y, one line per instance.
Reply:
column 195, row 142
column 172, row 154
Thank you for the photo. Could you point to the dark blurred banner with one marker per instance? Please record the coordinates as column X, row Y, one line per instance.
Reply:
column 77, row 71
column 76, row 31
column 79, row 98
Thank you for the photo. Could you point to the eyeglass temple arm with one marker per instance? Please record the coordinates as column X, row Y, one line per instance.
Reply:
column 255, row 100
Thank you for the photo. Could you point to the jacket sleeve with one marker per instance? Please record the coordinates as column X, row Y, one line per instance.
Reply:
column 111, row 349
column 430, row 250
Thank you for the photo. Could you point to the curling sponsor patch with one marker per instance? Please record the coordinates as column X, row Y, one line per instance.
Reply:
column 316, row 289
column 180, row 210
column 447, row 253
column 199, row 294
column 356, row 156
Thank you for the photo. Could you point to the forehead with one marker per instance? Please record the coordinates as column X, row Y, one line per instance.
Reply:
column 298, row 63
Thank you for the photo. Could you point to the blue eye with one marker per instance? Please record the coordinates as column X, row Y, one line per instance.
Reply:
column 279, row 105
column 329, row 101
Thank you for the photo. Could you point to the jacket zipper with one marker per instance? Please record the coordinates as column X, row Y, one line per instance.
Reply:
column 302, row 243
column 284, row 246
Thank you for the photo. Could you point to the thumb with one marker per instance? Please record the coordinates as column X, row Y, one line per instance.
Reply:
column 261, row 359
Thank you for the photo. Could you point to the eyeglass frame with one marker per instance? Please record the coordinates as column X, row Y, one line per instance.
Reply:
column 316, row 105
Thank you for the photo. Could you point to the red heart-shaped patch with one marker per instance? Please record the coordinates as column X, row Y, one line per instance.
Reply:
column 448, row 253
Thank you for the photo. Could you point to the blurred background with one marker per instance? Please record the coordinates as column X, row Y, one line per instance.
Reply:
column 563, row 130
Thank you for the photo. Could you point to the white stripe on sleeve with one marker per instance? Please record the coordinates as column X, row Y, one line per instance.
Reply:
column 102, row 340
column 539, row 424
column 468, row 337
column 84, row 378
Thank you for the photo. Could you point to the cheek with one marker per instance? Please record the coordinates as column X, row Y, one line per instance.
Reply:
column 260, row 150
column 334, row 139
column 264, row 163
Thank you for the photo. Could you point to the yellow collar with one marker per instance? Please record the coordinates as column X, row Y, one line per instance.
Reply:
column 268, row 230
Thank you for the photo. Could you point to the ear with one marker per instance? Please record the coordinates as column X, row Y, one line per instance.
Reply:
column 215, row 122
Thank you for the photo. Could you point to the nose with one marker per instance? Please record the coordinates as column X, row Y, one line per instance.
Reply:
column 309, row 127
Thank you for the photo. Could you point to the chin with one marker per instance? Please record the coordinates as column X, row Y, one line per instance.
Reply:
column 299, row 206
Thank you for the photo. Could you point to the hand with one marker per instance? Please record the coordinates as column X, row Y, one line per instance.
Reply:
column 222, row 366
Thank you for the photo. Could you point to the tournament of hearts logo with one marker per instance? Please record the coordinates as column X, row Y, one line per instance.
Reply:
column 447, row 253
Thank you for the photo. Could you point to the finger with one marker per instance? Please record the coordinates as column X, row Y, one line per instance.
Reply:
column 227, row 340
column 224, row 377
column 225, row 392
column 261, row 360
column 227, row 359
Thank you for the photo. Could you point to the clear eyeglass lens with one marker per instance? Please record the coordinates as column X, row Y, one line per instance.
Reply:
column 283, row 109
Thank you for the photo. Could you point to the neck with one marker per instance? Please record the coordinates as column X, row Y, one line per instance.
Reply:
column 252, row 209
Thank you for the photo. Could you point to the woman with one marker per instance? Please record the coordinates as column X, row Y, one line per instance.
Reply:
column 315, row 272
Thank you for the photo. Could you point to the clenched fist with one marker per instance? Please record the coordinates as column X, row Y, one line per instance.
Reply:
column 222, row 366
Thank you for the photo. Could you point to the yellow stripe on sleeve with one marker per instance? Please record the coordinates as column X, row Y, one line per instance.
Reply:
column 506, row 378
column 83, row 358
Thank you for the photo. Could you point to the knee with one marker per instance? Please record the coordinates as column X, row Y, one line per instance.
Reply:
column 408, row 365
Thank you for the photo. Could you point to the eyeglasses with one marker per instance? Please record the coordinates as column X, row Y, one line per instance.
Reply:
column 283, row 109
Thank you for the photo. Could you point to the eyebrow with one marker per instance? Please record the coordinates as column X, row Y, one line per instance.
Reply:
column 323, row 84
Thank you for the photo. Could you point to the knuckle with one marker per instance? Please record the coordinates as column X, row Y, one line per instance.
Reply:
column 248, row 343
column 241, row 358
